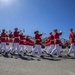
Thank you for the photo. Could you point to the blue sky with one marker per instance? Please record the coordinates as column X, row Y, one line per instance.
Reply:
column 42, row 15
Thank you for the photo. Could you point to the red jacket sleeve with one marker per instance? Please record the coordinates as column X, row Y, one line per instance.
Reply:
column 60, row 33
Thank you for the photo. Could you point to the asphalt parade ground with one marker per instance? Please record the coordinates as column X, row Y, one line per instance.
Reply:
column 28, row 65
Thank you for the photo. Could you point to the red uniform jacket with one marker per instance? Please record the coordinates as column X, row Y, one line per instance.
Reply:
column 51, row 39
column 71, row 37
column 7, row 41
column 29, row 42
column 11, row 36
column 22, row 39
column 16, row 37
column 66, row 44
column 56, row 38
column 38, row 39
column 47, row 42
column 3, row 37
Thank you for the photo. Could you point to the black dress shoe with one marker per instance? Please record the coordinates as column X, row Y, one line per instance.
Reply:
column 48, row 54
column 42, row 56
column 14, row 52
column 30, row 51
column 11, row 56
column 19, row 55
column 68, row 55
column 60, row 56
column 31, row 55
column 0, row 52
column 51, row 55
column 11, row 53
column 6, row 54
column 24, row 54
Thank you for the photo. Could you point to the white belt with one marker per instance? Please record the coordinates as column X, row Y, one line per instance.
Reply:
column 56, row 39
column 11, row 38
column 71, row 38
column 27, row 42
column 22, row 40
column 16, row 37
column 4, row 37
column 51, row 40
column 37, row 39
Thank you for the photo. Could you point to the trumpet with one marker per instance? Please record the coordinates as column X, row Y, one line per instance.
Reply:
column 44, row 34
column 7, row 32
column 61, row 31
column 23, row 30
column 10, row 31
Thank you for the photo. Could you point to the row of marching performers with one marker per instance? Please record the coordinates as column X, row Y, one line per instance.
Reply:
column 9, row 42
column 54, row 44
column 18, row 41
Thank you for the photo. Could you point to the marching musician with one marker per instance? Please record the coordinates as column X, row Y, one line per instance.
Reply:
column 51, row 38
column 56, row 42
column 7, row 42
column 22, row 41
column 71, row 38
column 38, row 42
column 29, row 44
column 47, row 44
column 16, row 41
column 3, row 40
column 11, row 40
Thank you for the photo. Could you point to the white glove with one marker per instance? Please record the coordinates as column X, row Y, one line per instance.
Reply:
column 44, row 33
column 60, row 31
column 23, row 30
